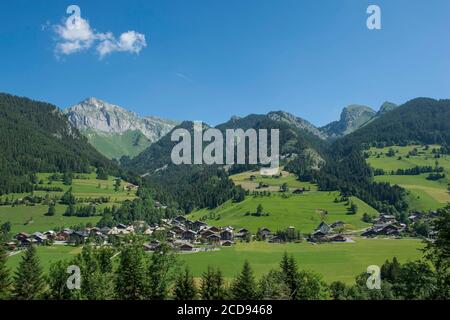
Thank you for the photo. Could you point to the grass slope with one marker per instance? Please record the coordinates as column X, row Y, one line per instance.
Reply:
column 304, row 212
column 114, row 146
column 32, row 218
column 274, row 183
column 423, row 194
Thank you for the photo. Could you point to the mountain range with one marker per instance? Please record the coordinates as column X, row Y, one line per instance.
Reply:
column 117, row 132
column 39, row 137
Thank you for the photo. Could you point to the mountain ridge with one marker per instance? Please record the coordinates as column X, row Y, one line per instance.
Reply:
column 106, row 125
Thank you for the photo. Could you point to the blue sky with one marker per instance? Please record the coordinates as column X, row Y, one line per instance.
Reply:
column 211, row 59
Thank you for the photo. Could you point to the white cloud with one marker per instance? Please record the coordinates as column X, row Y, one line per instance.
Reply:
column 76, row 35
column 130, row 41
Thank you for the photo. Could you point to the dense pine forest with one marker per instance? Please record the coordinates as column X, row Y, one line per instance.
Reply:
column 36, row 137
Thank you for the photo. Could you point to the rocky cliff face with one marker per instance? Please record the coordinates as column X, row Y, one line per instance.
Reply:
column 114, row 131
column 99, row 116
column 352, row 118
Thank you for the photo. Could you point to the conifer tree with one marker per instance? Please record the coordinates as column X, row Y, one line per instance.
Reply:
column 212, row 285
column 130, row 281
column 244, row 286
column 29, row 282
column 5, row 280
column 289, row 271
column 185, row 288
column 161, row 273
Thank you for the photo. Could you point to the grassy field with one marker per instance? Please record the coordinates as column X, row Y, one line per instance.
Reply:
column 32, row 218
column 274, row 183
column 304, row 212
column 336, row 261
column 423, row 194
column 47, row 255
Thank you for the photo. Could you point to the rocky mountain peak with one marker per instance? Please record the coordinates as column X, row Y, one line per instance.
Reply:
column 295, row 121
column 102, row 117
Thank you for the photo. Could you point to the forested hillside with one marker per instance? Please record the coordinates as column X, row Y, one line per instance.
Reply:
column 36, row 137
column 197, row 186
column 420, row 121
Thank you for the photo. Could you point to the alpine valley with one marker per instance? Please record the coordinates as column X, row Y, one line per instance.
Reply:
column 370, row 188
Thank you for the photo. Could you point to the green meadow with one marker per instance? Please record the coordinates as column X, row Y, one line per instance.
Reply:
column 250, row 180
column 47, row 255
column 423, row 194
column 304, row 212
column 334, row 261
column 32, row 218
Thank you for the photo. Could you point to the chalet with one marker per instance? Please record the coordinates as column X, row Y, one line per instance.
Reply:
column 78, row 237
column 64, row 235
column 27, row 242
column 384, row 218
column 226, row 243
column 186, row 247
column 197, row 225
column 214, row 239
column 189, row 235
column 214, row 229
column 22, row 236
column 318, row 236
column 387, row 229
column 50, row 234
column 242, row 233
column 180, row 219
column 178, row 230
column 338, row 238
column 226, row 235
column 171, row 235
column 95, row 232
column 323, row 228
column 206, row 233
column 264, row 233
column 39, row 237
column 189, row 224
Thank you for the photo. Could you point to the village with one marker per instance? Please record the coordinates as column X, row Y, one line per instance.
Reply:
column 184, row 235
